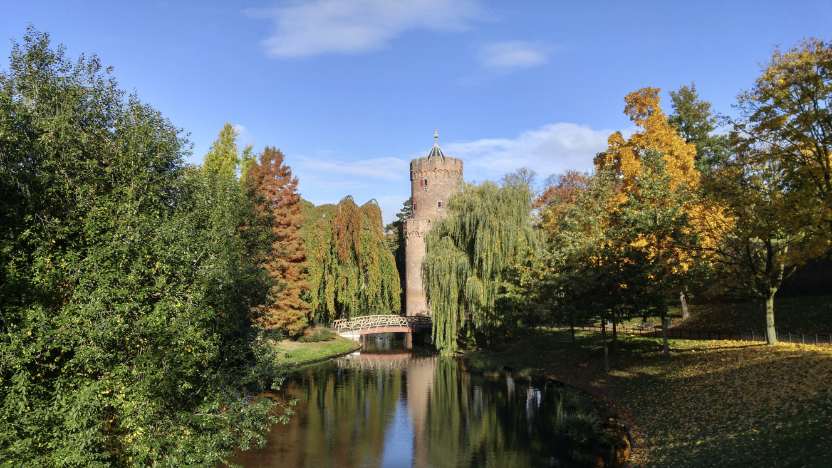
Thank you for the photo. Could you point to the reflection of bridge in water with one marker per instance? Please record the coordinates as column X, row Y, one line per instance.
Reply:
column 369, row 324
column 384, row 361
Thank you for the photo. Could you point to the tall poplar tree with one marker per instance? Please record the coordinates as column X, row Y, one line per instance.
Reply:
column 275, row 189
column 395, row 240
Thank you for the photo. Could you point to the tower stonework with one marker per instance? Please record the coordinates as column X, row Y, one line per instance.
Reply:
column 432, row 181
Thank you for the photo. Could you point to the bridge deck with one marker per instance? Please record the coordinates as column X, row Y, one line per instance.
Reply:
column 383, row 324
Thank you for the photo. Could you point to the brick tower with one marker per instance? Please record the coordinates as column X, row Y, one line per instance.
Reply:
column 432, row 181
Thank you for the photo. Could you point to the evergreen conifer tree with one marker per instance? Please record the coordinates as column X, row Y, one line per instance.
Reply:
column 224, row 157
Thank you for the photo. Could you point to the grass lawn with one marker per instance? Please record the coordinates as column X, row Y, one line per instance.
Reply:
column 294, row 351
column 714, row 403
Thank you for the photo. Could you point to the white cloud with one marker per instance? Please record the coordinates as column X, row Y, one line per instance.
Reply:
column 243, row 135
column 553, row 148
column 379, row 168
column 352, row 26
column 513, row 55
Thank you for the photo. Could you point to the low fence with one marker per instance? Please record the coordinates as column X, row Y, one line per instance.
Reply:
column 815, row 339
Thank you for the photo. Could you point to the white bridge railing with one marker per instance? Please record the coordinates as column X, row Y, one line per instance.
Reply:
column 381, row 321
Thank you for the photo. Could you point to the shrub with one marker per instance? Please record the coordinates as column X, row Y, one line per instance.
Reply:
column 323, row 335
column 574, row 419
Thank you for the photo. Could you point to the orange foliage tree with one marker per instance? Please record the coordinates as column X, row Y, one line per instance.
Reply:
column 554, row 199
column 273, row 181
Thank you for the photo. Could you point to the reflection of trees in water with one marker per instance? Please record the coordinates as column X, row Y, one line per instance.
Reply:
column 476, row 421
column 458, row 419
column 341, row 419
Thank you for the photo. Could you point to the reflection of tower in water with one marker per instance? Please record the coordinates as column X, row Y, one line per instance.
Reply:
column 417, row 372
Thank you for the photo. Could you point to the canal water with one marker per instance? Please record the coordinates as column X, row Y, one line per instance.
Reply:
column 390, row 406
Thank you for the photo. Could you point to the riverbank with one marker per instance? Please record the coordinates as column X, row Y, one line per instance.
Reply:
column 722, row 403
column 296, row 352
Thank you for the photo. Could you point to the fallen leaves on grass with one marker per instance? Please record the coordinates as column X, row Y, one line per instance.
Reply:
column 722, row 397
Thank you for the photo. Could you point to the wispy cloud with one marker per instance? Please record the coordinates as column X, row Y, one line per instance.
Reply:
column 512, row 55
column 553, row 148
column 244, row 136
column 323, row 179
column 379, row 168
column 354, row 26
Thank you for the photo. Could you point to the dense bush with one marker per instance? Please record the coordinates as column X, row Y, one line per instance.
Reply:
column 322, row 335
column 126, row 280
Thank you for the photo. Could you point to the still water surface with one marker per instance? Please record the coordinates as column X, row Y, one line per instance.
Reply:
column 395, row 407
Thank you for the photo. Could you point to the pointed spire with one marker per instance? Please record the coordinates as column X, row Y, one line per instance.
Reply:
column 436, row 151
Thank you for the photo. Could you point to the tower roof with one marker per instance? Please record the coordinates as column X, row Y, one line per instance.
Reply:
column 436, row 151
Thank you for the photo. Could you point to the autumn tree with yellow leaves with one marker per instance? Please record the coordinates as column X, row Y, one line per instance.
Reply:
column 788, row 111
column 777, row 184
column 771, row 233
column 624, row 158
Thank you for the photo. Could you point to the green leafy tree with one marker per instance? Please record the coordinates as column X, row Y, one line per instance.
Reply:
column 575, row 214
column 695, row 122
column 614, row 255
column 125, row 280
column 648, row 233
column 394, row 232
column 470, row 257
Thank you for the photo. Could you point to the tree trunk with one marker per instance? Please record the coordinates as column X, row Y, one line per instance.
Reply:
column 684, row 305
column 665, row 323
column 572, row 330
column 614, row 335
column 604, row 337
column 771, row 333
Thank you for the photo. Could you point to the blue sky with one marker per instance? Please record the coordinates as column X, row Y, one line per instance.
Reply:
column 351, row 90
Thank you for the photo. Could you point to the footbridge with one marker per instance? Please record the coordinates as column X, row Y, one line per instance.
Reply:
column 368, row 324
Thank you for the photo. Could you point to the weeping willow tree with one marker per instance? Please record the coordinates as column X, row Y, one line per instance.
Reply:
column 351, row 270
column 471, row 257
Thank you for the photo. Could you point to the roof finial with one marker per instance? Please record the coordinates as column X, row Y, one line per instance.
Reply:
column 436, row 135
